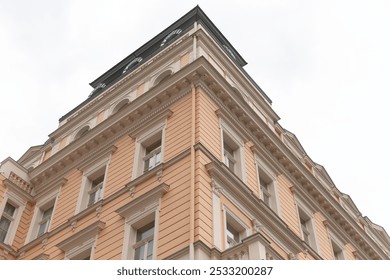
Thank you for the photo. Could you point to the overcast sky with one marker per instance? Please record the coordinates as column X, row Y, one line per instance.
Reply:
column 324, row 64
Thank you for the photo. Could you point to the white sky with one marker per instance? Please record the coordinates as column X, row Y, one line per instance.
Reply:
column 325, row 65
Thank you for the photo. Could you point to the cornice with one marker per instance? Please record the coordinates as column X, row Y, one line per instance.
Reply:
column 129, row 188
column 239, row 75
column 88, row 231
column 145, row 108
column 5, row 250
column 219, row 90
column 19, row 191
column 233, row 187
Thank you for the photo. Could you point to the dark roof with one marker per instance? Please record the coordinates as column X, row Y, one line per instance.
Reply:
column 155, row 45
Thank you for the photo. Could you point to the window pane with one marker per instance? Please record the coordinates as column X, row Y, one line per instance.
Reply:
column 47, row 213
column 9, row 209
column 139, row 253
column 4, row 226
column 91, row 198
column 42, row 228
column 266, row 199
column 145, row 232
column 149, row 255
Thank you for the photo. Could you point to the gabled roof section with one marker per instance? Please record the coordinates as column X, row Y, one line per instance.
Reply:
column 162, row 40
column 379, row 230
column 29, row 153
column 294, row 140
column 320, row 169
column 349, row 202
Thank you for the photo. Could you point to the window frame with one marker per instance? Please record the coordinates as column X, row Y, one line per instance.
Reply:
column 138, row 213
column 144, row 140
column 90, row 174
column 231, row 139
column 264, row 171
column 43, row 203
column 19, row 205
column 336, row 242
column 306, row 216
column 233, row 223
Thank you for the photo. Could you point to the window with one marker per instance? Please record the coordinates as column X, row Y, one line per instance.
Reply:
column 82, row 132
column 11, row 209
column 92, row 185
column 232, row 235
column 267, row 184
column 306, row 226
column 232, row 155
column 305, row 229
column 149, row 150
column 95, row 192
column 143, row 248
column 43, row 213
column 235, row 229
column 337, row 250
column 120, row 106
column 265, row 190
column 45, row 221
column 6, row 220
column 141, row 224
column 152, row 156
column 228, row 156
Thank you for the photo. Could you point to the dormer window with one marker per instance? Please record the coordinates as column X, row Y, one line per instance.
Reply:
column 132, row 63
column 170, row 36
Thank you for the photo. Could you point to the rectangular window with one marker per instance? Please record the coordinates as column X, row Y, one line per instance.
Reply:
column 228, row 154
column 152, row 156
column 235, row 229
column 337, row 251
column 265, row 190
column 143, row 248
column 232, row 235
column 45, row 221
column 232, row 152
column 95, row 192
column 307, row 228
column 267, row 184
column 92, row 186
column 6, row 220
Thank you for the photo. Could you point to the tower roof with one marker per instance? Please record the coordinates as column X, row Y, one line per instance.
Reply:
column 156, row 44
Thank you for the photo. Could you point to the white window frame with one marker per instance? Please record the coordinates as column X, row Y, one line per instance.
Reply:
column 336, row 242
column 145, row 139
column 82, row 243
column 263, row 171
column 232, row 220
column 42, row 205
column 236, row 143
column 90, row 174
column 138, row 213
column 19, row 205
column 306, row 215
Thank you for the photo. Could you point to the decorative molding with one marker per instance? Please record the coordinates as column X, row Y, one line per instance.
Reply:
column 132, row 191
column 73, row 225
column 153, row 194
column 84, row 234
column 216, row 188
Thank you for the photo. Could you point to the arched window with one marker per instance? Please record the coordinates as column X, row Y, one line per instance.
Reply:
column 163, row 77
column 120, row 106
column 82, row 132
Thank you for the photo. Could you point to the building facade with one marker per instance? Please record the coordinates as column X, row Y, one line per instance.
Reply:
column 177, row 154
